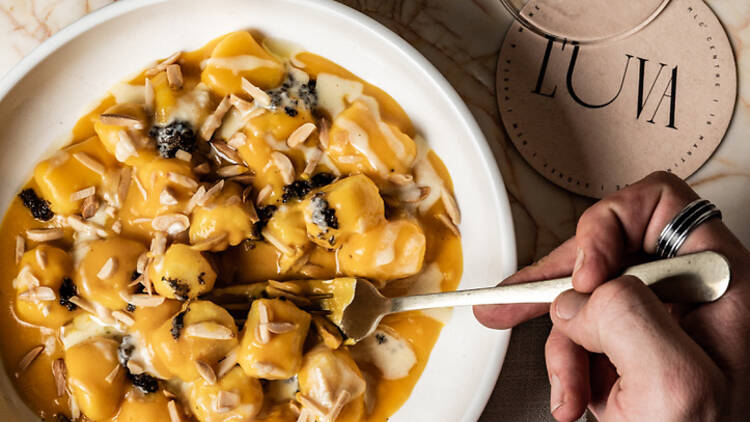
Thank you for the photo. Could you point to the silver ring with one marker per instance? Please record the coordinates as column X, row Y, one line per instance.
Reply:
column 677, row 230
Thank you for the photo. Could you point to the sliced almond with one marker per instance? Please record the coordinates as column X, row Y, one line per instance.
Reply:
column 300, row 135
column 140, row 264
column 140, row 187
column 44, row 235
column 90, row 162
column 174, row 76
column 451, row 207
column 260, row 96
column 263, row 194
column 173, row 224
column 38, row 294
column 183, row 155
column 135, row 367
column 211, row 193
column 237, row 140
column 109, row 268
column 338, row 406
column 224, row 151
column 226, row 364
column 448, row 223
column 124, row 148
column 331, row 335
column 76, row 223
column 117, row 227
column 123, row 317
column 244, row 107
column 146, row 301
column 213, row 121
column 182, row 180
column 89, row 207
column 400, row 179
column 197, row 196
column 20, row 248
column 293, row 288
column 324, row 133
column 307, row 403
column 158, row 246
column 231, row 171
column 202, row 168
column 162, row 66
column 285, row 166
column 205, row 371
column 167, row 197
column 312, row 162
column 280, row 327
column 211, row 330
column 286, row 250
column 121, row 120
column 110, row 378
column 28, row 358
column 210, row 243
column 41, row 258
column 60, row 372
column 123, row 185
column 226, row 401
column 148, row 96
column 83, row 304
column 174, row 414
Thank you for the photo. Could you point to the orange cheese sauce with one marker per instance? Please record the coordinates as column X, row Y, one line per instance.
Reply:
column 170, row 253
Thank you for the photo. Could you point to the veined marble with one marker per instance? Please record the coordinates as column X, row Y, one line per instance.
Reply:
column 462, row 39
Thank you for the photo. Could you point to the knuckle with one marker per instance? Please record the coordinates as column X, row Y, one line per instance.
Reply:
column 623, row 291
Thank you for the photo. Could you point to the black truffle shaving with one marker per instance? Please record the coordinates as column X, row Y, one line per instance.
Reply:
column 134, row 276
column 321, row 179
column 380, row 338
column 300, row 188
column 264, row 214
column 291, row 112
column 178, row 323
column 323, row 216
column 172, row 137
column 68, row 290
column 201, row 281
column 38, row 206
column 130, row 307
column 144, row 382
column 181, row 290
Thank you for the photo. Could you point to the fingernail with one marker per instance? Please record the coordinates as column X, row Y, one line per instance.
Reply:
column 579, row 262
column 569, row 303
column 556, row 394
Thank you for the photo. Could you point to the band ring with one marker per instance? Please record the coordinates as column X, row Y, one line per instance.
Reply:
column 677, row 230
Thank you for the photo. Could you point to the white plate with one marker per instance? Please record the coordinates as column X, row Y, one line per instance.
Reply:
column 42, row 97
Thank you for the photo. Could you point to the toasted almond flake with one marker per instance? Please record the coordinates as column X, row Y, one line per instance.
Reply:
column 83, row 304
column 263, row 335
column 110, row 378
column 28, row 358
column 162, row 66
column 121, row 120
column 300, row 135
column 252, row 214
column 41, row 258
column 237, row 140
column 166, row 197
column 448, row 223
column 174, row 414
column 182, row 180
column 280, row 327
column 135, row 367
column 183, row 155
column 206, row 372
column 123, row 185
column 341, row 401
column 213, row 121
column 90, row 162
column 124, row 148
column 284, row 164
column 83, row 193
column 168, row 394
column 224, row 151
column 174, row 76
column 451, row 207
column 140, row 187
column 20, row 248
column 109, row 268
column 293, row 288
column 202, row 168
column 226, row 401
column 226, row 364
column 44, row 235
column 208, row 329
column 233, row 200
column 158, row 246
column 197, row 196
column 260, row 96
column 244, row 107
column 424, row 191
column 211, row 193
column 286, row 250
column 328, row 332
column 140, row 264
column 123, row 317
column 400, row 179
column 146, row 301
column 142, row 220
column 263, row 194
column 264, row 316
column 117, row 227
column 38, row 294
column 148, row 96
column 244, row 179
column 89, row 207
column 210, row 243
column 60, row 372
column 75, row 410
column 324, row 133
column 231, row 171
column 76, row 223
column 312, row 162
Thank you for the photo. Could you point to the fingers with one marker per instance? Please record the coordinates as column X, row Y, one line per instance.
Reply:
column 558, row 263
column 568, row 369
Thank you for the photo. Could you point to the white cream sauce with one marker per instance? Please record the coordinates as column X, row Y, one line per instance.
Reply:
column 391, row 354
column 361, row 142
column 334, row 93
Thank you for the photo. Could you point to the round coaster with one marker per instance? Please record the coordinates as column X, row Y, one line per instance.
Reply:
column 594, row 118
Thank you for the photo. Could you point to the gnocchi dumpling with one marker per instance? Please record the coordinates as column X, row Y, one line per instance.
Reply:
column 182, row 273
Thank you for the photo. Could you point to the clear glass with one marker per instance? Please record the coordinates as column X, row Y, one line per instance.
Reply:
column 585, row 21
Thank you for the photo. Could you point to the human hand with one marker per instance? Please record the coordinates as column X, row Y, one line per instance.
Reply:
column 621, row 355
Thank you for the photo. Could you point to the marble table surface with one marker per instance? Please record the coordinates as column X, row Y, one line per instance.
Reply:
column 462, row 39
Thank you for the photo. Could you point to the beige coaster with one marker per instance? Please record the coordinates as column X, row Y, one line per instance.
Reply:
column 595, row 118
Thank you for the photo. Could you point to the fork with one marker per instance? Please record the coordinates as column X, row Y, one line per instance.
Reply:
column 695, row 278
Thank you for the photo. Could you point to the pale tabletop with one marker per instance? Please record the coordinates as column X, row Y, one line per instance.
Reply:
column 462, row 39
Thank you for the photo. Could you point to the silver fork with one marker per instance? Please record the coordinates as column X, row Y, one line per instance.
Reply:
column 695, row 278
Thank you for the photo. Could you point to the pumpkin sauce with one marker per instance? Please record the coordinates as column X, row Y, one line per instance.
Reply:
column 170, row 261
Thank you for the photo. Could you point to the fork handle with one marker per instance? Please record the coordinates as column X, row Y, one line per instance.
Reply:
column 706, row 271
